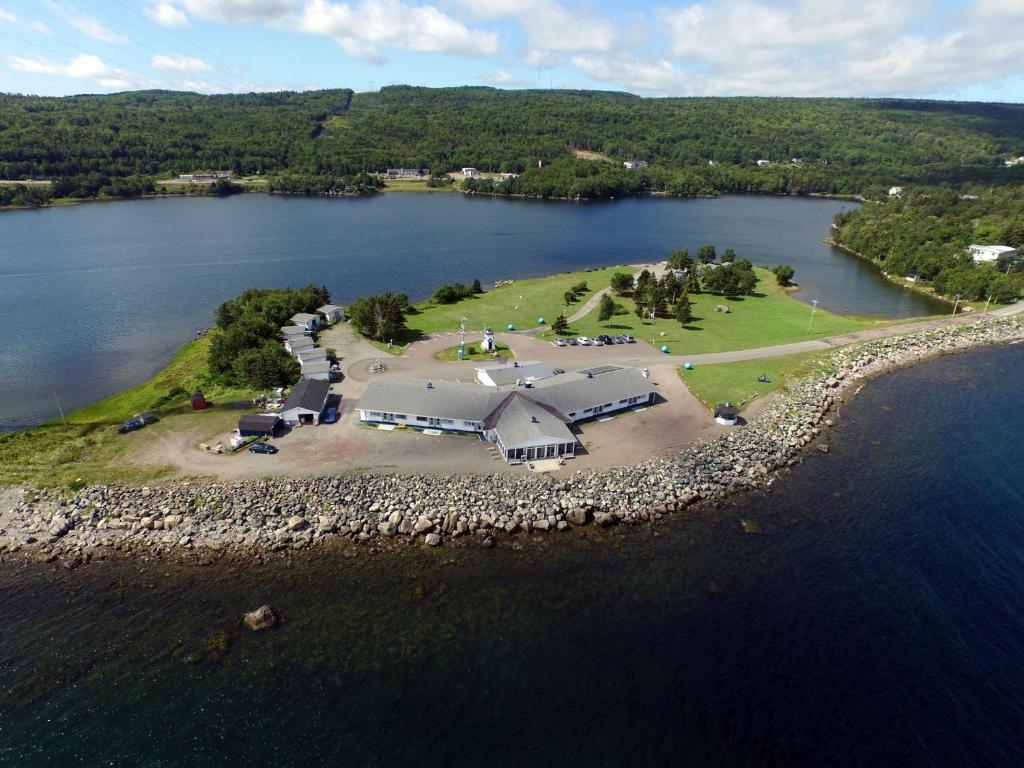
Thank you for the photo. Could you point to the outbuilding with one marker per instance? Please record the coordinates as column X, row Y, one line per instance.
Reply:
column 316, row 369
column 199, row 401
column 989, row 253
column 727, row 414
column 305, row 320
column 332, row 312
column 258, row 425
column 309, row 354
column 296, row 343
column 288, row 331
column 306, row 402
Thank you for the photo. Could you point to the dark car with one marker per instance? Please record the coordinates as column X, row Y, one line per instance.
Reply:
column 262, row 448
column 130, row 426
column 147, row 417
column 628, row 339
column 606, row 339
column 572, row 341
column 330, row 415
column 557, row 371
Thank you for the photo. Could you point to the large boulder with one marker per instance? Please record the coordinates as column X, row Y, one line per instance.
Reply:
column 264, row 617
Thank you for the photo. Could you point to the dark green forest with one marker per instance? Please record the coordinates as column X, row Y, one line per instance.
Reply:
column 116, row 144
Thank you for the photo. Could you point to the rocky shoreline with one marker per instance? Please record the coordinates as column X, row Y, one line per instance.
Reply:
column 262, row 519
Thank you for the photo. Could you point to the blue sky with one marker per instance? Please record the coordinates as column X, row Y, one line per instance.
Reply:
column 954, row 49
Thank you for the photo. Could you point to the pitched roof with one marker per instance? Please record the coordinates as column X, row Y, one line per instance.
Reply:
column 258, row 422
column 292, row 330
column 303, row 317
column 521, row 422
column 314, row 366
column 442, row 399
column 309, row 394
column 299, row 342
column 311, row 353
column 508, row 373
column 328, row 308
column 571, row 392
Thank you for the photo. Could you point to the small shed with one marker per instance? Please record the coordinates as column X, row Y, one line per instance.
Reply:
column 727, row 414
column 316, row 369
column 296, row 343
column 199, row 401
column 305, row 320
column 288, row 331
column 258, row 425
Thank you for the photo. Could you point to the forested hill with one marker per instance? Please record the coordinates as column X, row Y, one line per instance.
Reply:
column 824, row 145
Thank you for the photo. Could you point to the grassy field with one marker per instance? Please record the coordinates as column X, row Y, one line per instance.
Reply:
column 520, row 303
column 770, row 317
column 88, row 446
column 474, row 353
column 409, row 185
column 737, row 382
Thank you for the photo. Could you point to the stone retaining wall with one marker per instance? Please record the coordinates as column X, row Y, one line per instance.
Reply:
column 265, row 516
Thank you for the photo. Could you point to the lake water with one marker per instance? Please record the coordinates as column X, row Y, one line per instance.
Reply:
column 96, row 298
column 878, row 620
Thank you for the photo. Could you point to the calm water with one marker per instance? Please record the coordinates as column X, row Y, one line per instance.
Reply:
column 879, row 620
column 96, row 298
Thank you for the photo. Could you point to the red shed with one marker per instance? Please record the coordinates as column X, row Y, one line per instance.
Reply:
column 198, row 401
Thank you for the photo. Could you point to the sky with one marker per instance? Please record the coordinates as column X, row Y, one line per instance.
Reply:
column 947, row 49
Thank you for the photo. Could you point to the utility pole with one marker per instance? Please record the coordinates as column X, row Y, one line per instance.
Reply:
column 956, row 304
column 814, row 307
column 60, row 408
column 462, row 346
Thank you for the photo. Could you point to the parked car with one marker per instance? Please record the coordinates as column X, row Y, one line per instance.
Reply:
column 330, row 415
column 584, row 341
column 147, row 417
column 130, row 426
column 557, row 371
column 628, row 339
column 618, row 340
column 262, row 448
column 559, row 342
column 605, row 339
column 572, row 341
column 597, row 343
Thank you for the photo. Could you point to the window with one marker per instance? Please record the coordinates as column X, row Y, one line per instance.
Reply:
column 421, row 418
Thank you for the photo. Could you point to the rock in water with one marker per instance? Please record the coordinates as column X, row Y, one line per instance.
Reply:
column 264, row 617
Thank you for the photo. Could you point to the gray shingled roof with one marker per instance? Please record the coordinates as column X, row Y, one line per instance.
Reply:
column 508, row 374
column 443, row 399
column 292, row 330
column 309, row 394
column 303, row 317
column 521, row 422
column 300, row 342
column 572, row 392
column 328, row 308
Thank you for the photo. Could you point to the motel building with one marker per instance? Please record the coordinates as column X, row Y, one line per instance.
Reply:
column 525, row 420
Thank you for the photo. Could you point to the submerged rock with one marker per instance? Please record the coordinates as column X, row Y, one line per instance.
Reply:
column 264, row 617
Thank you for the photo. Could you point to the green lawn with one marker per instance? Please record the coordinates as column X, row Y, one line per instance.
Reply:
column 474, row 353
column 520, row 303
column 737, row 382
column 88, row 447
column 768, row 318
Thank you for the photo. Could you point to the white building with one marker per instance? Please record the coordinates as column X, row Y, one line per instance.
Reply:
column 293, row 344
column 310, row 354
column 288, row 331
column 470, row 173
column 305, row 320
column 762, row 163
column 895, row 191
column 320, row 370
column 332, row 312
column 989, row 253
column 505, row 374
column 526, row 422
column 633, row 164
column 306, row 402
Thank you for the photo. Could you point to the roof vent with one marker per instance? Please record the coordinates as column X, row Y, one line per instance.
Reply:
column 430, row 385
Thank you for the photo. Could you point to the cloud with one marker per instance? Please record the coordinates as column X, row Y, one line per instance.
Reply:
column 7, row 16
column 363, row 29
column 86, row 66
column 549, row 25
column 35, row 26
column 97, row 31
column 179, row 63
column 239, row 11
column 501, row 78
column 168, row 16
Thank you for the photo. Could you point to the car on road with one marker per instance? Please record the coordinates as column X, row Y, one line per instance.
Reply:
column 628, row 339
column 330, row 415
column 584, row 341
column 559, row 342
column 263, row 448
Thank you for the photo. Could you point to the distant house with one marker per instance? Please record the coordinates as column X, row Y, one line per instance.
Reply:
column 319, row 370
column 306, row 402
column 287, row 331
column 895, row 191
column 258, row 425
column 503, row 374
column 295, row 343
column 414, row 174
column 305, row 320
column 989, row 253
column 966, row 198
column 471, row 173
column 1010, row 162
column 634, row 164
column 762, row 163
column 332, row 312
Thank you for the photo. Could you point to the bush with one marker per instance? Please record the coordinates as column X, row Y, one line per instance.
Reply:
column 784, row 274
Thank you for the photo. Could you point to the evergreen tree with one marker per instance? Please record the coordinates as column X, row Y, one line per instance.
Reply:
column 706, row 254
column 606, row 308
column 728, row 256
column 561, row 325
column 682, row 310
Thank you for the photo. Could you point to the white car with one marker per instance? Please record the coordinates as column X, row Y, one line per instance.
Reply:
column 584, row 341
column 559, row 342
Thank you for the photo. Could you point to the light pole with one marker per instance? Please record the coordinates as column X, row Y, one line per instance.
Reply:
column 462, row 345
column 956, row 304
column 814, row 307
